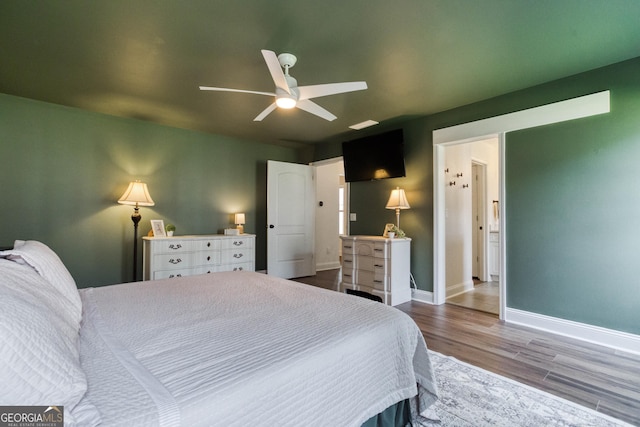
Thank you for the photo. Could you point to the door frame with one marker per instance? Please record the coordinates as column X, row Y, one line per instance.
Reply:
column 320, row 164
column 575, row 108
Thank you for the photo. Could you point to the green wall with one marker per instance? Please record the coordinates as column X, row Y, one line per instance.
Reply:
column 63, row 169
column 573, row 200
column 573, row 212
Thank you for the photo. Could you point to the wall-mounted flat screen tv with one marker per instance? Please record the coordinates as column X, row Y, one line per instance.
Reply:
column 374, row 157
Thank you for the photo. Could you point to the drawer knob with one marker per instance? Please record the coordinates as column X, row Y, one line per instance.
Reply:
column 238, row 242
column 175, row 261
column 208, row 244
column 175, row 246
column 171, row 276
column 208, row 258
column 237, row 269
column 237, row 255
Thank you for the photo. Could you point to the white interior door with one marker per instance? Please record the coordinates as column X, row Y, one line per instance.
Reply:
column 290, row 220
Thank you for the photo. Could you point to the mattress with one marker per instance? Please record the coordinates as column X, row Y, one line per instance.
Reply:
column 243, row 348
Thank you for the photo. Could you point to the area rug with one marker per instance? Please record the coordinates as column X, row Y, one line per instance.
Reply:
column 474, row 397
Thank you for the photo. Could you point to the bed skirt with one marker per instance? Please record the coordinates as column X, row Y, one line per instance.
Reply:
column 398, row 415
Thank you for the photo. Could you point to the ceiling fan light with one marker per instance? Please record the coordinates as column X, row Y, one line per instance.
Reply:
column 285, row 101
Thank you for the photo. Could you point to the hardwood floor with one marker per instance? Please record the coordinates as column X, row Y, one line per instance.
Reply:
column 594, row 376
column 485, row 296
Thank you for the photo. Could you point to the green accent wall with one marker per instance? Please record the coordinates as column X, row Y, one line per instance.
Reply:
column 573, row 212
column 573, row 200
column 63, row 170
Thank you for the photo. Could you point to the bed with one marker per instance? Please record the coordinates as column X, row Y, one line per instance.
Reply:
column 229, row 349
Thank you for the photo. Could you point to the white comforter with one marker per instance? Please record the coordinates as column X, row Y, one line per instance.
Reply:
column 247, row 349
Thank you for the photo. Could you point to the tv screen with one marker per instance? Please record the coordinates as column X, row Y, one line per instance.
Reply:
column 374, row 157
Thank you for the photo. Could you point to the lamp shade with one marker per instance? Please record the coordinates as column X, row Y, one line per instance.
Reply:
column 398, row 200
column 239, row 218
column 137, row 194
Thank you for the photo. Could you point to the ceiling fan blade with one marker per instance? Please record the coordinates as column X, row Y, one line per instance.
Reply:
column 224, row 89
column 313, row 108
column 316, row 91
column 276, row 71
column 265, row 113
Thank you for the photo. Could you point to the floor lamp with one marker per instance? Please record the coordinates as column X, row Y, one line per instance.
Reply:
column 397, row 201
column 137, row 195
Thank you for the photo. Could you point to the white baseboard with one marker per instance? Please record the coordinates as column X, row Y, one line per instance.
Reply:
column 422, row 296
column 328, row 266
column 459, row 288
column 593, row 334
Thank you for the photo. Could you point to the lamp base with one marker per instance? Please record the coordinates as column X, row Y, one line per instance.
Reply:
column 240, row 228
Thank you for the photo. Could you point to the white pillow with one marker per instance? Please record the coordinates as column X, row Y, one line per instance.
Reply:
column 39, row 356
column 47, row 263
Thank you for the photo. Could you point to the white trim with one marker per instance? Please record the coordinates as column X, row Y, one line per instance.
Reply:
column 328, row 266
column 459, row 288
column 581, row 331
column 422, row 296
column 584, row 106
column 576, row 108
column 502, row 214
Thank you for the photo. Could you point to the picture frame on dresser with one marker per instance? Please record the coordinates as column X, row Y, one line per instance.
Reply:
column 157, row 226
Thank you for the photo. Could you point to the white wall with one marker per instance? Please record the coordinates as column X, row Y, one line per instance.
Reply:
column 487, row 152
column 327, row 240
column 458, row 227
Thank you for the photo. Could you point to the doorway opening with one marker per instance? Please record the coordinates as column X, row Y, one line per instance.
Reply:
column 471, row 171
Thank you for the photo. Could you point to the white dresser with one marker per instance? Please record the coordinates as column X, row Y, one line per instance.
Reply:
column 165, row 257
column 378, row 266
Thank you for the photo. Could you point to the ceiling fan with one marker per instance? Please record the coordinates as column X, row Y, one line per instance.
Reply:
column 287, row 92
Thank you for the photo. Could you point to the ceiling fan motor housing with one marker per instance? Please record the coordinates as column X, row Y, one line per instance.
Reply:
column 287, row 60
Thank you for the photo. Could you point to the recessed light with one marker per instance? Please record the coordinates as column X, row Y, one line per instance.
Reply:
column 363, row 125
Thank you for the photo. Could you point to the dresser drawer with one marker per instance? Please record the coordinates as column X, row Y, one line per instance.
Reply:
column 372, row 279
column 380, row 250
column 348, row 247
column 207, row 258
column 206, row 245
column 234, row 256
column 170, row 274
column 242, row 266
column 348, row 276
column 237, row 242
column 347, row 261
column 364, row 248
column 173, row 261
column 170, row 246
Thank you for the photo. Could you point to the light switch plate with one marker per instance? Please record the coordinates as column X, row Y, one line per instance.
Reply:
column 352, row 216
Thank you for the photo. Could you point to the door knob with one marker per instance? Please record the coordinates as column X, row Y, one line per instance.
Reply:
column 272, row 226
